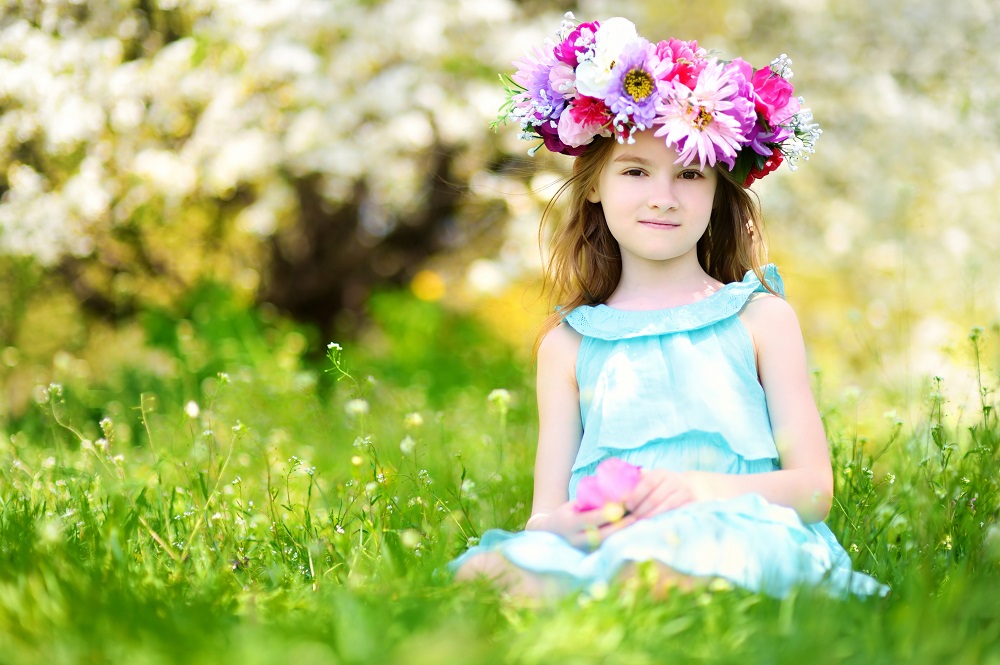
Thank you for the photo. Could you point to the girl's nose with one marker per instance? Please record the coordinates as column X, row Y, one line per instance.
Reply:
column 662, row 197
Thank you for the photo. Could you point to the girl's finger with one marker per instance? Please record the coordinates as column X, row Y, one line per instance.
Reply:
column 651, row 501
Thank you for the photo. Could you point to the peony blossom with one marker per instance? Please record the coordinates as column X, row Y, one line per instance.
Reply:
column 608, row 488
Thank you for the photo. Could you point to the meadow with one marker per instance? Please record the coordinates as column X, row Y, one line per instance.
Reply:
column 281, row 498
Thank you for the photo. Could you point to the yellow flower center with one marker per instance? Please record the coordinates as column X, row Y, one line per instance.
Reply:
column 702, row 119
column 638, row 84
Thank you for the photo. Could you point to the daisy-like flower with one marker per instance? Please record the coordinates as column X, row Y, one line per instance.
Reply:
column 633, row 95
column 593, row 74
column 539, row 101
column 709, row 122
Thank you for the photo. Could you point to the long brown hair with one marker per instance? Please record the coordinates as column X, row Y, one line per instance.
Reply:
column 585, row 264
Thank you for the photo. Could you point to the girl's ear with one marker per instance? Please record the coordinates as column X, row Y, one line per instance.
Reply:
column 593, row 196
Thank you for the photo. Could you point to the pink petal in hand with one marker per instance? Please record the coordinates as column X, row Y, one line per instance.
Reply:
column 616, row 479
column 588, row 494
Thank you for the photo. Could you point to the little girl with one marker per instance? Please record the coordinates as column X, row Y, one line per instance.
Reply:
column 677, row 432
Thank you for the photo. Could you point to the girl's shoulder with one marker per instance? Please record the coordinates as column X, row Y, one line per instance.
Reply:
column 557, row 351
column 770, row 320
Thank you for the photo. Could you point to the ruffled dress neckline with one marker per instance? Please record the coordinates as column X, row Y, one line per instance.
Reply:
column 609, row 323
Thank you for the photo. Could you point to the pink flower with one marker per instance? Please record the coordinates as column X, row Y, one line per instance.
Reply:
column 680, row 61
column 608, row 487
column 773, row 97
column 577, row 43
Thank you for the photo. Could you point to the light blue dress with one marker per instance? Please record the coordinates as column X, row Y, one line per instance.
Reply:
column 678, row 389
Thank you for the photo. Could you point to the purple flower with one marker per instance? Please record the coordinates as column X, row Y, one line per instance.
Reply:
column 632, row 96
column 539, row 98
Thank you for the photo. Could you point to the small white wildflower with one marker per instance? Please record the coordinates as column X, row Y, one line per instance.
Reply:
column 371, row 487
column 407, row 445
column 500, row 399
column 380, row 477
column 55, row 389
column 410, row 538
column 468, row 486
column 890, row 478
column 415, row 501
column 223, row 378
column 333, row 346
column 192, row 409
column 356, row 407
column 965, row 480
column 854, row 547
column 40, row 394
column 412, row 420
column 216, row 516
column 425, row 477
column 237, row 480
column 946, row 543
column 102, row 444
column 208, row 434
column 338, row 529
column 106, row 426
column 86, row 444
column 472, row 541
column 238, row 427
column 118, row 459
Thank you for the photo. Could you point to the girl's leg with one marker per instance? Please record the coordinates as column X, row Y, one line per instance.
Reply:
column 512, row 579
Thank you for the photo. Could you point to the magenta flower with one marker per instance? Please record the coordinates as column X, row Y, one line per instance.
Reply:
column 576, row 43
column 773, row 97
column 608, row 488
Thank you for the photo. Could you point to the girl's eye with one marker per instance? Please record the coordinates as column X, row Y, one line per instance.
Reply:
column 633, row 172
column 690, row 175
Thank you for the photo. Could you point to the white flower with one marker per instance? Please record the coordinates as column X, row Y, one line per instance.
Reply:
column 593, row 75
column 356, row 407
column 407, row 445
column 413, row 420
column 192, row 409
column 499, row 398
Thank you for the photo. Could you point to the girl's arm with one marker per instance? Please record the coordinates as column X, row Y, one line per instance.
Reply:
column 559, row 434
column 559, row 426
column 805, row 481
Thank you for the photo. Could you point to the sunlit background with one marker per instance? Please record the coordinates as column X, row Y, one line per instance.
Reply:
column 173, row 174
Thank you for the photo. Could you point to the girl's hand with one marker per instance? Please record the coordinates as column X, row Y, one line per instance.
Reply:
column 585, row 530
column 659, row 491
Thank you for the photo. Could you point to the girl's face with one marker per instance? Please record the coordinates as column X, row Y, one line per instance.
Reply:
column 657, row 210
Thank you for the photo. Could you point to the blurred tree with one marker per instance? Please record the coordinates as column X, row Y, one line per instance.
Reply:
column 302, row 151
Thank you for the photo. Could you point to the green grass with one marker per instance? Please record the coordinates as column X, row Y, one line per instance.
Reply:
column 283, row 522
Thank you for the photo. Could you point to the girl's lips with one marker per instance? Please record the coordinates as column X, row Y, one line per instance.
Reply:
column 659, row 225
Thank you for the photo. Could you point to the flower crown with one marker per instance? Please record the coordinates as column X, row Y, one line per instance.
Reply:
column 603, row 79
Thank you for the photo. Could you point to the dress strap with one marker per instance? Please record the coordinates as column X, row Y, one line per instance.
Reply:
column 608, row 323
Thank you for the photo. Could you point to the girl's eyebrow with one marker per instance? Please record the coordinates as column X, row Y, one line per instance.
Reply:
column 633, row 158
